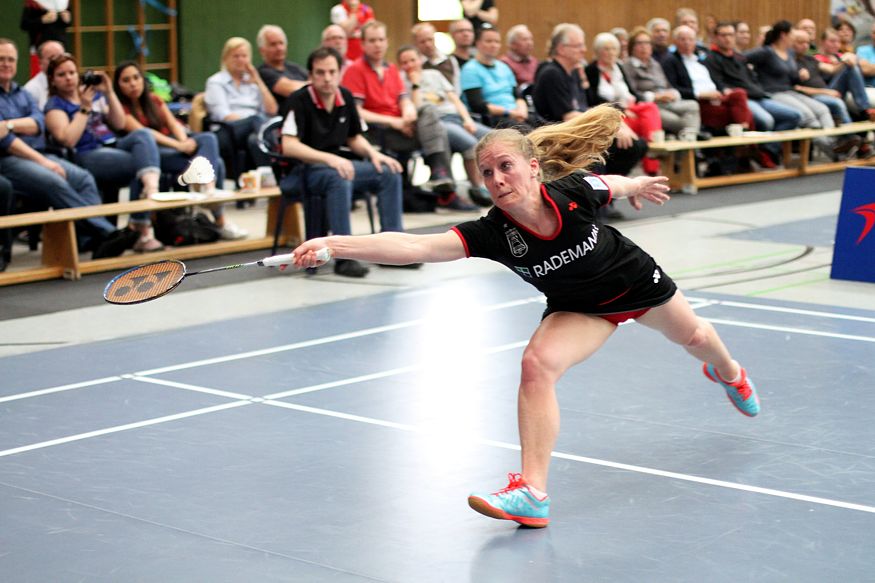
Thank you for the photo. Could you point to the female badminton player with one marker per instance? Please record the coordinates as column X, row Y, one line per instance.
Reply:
column 544, row 228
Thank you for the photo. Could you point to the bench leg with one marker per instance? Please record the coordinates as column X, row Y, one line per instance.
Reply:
column 293, row 222
column 60, row 248
column 682, row 179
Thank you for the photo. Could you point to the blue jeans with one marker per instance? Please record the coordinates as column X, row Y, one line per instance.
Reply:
column 49, row 189
column 850, row 80
column 837, row 107
column 325, row 182
column 133, row 155
column 769, row 115
column 460, row 140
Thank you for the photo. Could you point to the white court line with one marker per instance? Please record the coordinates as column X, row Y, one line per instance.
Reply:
column 380, row 375
column 69, row 387
column 118, row 428
column 323, row 340
column 817, row 313
column 188, row 387
column 791, row 330
column 591, row 461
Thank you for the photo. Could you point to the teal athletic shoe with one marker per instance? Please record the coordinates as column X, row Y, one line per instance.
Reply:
column 742, row 392
column 515, row 502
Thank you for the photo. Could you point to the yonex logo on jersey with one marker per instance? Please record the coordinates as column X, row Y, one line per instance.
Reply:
column 656, row 276
column 518, row 246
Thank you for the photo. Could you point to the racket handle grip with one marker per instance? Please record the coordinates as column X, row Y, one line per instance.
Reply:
column 323, row 255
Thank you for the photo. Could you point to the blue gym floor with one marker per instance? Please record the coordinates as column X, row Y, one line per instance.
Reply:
column 338, row 442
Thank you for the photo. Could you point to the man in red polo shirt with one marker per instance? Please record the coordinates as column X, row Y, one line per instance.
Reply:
column 384, row 104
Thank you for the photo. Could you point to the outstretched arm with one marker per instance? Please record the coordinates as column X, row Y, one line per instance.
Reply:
column 653, row 188
column 391, row 248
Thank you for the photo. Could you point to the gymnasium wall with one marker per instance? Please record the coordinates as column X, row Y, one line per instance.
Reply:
column 205, row 25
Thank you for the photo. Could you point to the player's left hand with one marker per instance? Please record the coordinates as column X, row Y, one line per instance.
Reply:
column 652, row 188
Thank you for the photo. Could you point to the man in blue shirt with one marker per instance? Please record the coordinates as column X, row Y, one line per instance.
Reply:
column 47, row 179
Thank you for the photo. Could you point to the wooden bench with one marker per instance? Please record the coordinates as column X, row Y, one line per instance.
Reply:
column 679, row 162
column 60, row 257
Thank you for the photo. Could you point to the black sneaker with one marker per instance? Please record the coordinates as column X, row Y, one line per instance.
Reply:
column 350, row 268
column 116, row 243
column 441, row 181
column 453, row 202
column 480, row 196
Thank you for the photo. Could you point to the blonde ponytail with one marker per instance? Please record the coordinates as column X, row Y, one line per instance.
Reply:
column 577, row 143
column 565, row 147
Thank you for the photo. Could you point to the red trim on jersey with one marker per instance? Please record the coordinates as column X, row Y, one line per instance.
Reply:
column 531, row 232
column 616, row 298
column 317, row 99
column 464, row 242
column 623, row 316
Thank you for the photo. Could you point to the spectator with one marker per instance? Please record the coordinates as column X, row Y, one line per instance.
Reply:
column 352, row 15
column 428, row 88
column 334, row 36
column 559, row 96
column 607, row 84
column 810, row 27
column 847, row 36
column 841, row 71
column 44, row 21
column 775, row 65
column 729, row 69
column 282, row 77
column 423, row 37
column 866, row 60
column 322, row 119
column 520, row 55
column 46, row 179
column 84, row 118
column 144, row 109
column 719, row 105
column 688, row 17
column 480, row 13
column 385, row 105
column 648, row 83
column 660, row 37
column 489, row 85
column 623, row 36
column 462, row 32
column 238, row 97
column 38, row 85
column 742, row 36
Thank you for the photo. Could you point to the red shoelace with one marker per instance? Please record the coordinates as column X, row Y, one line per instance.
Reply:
column 515, row 481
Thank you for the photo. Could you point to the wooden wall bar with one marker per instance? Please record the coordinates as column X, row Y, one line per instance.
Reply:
column 601, row 15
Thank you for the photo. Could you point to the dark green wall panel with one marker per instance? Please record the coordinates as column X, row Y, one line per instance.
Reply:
column 205, row 26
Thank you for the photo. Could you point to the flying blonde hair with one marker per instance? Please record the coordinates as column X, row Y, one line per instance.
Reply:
column 566, row 147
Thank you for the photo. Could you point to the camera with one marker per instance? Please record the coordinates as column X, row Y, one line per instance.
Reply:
column 90, row 78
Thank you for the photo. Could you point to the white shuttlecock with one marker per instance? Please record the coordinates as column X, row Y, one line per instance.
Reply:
column 200, row 171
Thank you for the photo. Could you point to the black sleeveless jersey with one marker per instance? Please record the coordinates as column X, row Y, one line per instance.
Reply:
column 582, row 267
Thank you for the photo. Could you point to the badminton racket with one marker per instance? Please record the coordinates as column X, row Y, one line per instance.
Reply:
column 153, row 280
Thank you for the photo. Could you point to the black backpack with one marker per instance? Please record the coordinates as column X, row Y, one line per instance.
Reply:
column 179, row 227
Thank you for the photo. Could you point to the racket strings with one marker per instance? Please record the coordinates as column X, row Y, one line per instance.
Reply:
column 145, row 282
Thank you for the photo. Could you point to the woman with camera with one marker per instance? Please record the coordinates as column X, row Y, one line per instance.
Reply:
column 83, row 114
column 144, row 109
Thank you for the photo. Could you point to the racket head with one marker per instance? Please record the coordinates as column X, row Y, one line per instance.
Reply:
column 144, row 282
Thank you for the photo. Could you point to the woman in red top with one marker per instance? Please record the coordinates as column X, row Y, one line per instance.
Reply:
column 144, row 109
column 351, row 15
